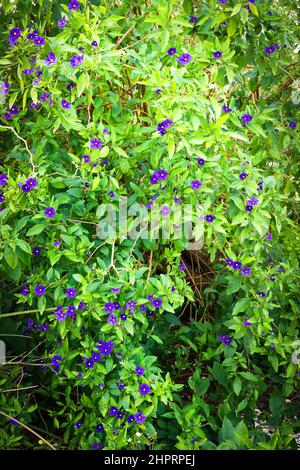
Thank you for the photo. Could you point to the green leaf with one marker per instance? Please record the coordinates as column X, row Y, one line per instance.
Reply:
column 241, row 306
column 157, row 339
column 276, row 403
column 250, row 376
column 35, row 230
column 237, row 385
column 10, row 257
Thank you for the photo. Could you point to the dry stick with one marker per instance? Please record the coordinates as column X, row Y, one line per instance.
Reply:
column 123, row 37
column 23, row 312
column 19, row 388
column 25, row 143
column 150, row 265
column 28, row 429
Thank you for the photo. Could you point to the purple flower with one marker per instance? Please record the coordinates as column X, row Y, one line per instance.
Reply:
column 89, row 363
column 184, row 58
column 49, row 212
column 82, row 306
column 7, row 116
column 70, row 85
column 273, row 277
column 78, row 424
column 31, row 36
column 153, row 179
column 225, row 339
column 51, row 59
column 3, row 179
column 113, row 411
column 106, row 131
column 123, row 317
column 44, row 97
column 292, row 124
column 246, row 117
column 100, row 428
column 248, row 208
column 71, row 311
column 226, row 109
column 269, row 236
column 139, row 418
column 109, row 307
column 65, row 104
column 115, row 290
column 55, row 360
column 44, row 327
column 60, row 315
column 144, row 389
column 34, row 105
column 131, row 305
column 71, row 292
column 95, row 144
column 270, row 49
column 218, row 55
column 252, row 202
column 56, row 243
column 97, row 445
column 76, row 60
column 112, row 320
column 246, row 271
column 158, row 91
column 105, row 348
column 130, row 419
column 62, row 23
column 223, row 1
column 247, row 322
column 261, row 293
column 14, row 110
column 32, row 183
column 111, row 194
column 25, row 188
column 196, row 184
column 237, row 265
column 27, row 71
column 96, row 357
column 182, row 267
column 193, row 19
column 243, row 176
column 15, row 33
column 172, row 51
column 25, row 290
column 161, row 174
column 165, row 210
column 94, row 44
column 157, row 303
column 86, row 158
column 38, row 41
column 200, row 161
column 209, row 218
column 40, row 290
column 139, row 370
column 36, row 251
column 73, row 5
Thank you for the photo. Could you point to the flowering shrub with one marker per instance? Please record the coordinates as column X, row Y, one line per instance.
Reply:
column 122, row 341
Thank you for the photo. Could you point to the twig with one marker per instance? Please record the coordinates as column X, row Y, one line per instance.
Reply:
column 150, row 265
column 25, row 143
column 19, row 388
column 23, row 312
column 123, row 37
column 28, row 429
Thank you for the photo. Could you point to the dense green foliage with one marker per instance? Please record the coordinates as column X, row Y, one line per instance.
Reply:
column 219, row 358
